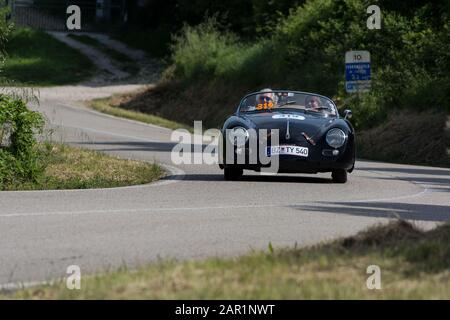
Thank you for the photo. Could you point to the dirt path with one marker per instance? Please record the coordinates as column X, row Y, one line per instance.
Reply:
column 109, row 72
column 149, row 69
column 110, row 79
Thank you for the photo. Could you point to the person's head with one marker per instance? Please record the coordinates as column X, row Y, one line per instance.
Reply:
column 313, row 102
column 265, row 95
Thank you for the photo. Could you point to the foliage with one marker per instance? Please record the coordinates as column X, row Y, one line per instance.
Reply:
column 150, row 27
column 305, row 51
column 19, row 158
column 203, row 52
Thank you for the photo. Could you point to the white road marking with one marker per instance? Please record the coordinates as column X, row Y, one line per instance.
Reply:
column 11, row 287
column 108, row 133
column 105, row 115
column 425, row 190
column 150, row 210
column 127, row 211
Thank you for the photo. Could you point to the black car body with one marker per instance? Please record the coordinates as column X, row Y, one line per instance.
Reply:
column 312, row 136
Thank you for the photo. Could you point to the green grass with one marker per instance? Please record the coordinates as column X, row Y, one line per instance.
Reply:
column 414, row 265
column 124, row 62
column 76, row 168
column 37, row 59
column 108, row 106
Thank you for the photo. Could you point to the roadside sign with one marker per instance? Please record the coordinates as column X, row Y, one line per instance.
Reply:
column 357, row 71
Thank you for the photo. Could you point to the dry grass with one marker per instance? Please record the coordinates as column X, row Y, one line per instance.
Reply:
column 76, row 168
column 113, row 107
column 409, row 137
column 209, row 102
column 414, row 265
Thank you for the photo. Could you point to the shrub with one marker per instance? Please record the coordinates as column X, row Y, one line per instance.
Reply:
column 204, row 53
column 19, row 159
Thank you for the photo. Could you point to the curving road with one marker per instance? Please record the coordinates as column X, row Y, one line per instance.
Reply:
column 192, row 213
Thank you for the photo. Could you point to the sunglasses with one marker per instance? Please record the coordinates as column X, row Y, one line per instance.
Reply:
column 265, row 98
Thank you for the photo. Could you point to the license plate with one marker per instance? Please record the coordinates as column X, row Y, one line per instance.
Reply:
column 287, row 150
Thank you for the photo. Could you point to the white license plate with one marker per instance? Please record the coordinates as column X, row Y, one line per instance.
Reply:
column 288, row 150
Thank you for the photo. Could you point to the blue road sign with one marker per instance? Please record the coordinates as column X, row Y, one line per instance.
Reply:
column 357, row 71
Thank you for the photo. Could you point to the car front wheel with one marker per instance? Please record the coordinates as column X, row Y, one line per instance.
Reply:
column 339, row 176
column 232, row 174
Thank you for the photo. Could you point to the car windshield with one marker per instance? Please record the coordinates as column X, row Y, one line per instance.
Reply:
column 268, row 100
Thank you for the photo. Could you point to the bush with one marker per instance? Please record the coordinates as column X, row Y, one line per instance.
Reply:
column 205, row 53
column 19, row 159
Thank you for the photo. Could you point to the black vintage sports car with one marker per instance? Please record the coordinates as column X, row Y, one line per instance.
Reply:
column 289, row 131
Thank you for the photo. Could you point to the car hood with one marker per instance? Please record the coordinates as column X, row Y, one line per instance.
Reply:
column 298, row 122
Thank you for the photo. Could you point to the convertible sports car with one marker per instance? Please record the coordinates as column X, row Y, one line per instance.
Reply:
column 312, row 137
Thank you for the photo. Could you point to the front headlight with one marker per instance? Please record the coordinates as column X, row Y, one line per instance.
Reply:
column 238, row 136
column 336, row 138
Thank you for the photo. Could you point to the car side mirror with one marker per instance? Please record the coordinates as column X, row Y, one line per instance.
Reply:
column 348, row 114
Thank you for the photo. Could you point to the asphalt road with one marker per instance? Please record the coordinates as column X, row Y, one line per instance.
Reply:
column 193, row 213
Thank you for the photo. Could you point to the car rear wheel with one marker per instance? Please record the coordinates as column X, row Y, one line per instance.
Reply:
column 232, row 174
column 339, row 176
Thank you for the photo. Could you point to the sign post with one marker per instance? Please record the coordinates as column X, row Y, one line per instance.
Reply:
column 357, row 71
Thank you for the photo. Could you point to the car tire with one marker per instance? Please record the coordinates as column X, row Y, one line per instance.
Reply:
column 232, row 174
column 339, row 176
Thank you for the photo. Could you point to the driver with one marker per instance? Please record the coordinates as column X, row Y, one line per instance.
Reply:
column 265, row 95
column 266, row 99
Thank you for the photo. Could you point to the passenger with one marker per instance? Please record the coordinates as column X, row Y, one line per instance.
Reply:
column 313, row 103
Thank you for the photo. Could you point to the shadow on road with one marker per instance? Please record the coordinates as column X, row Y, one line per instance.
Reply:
column 427, row 171
column 137, row 146
column 253, row 178
column 426, row 212
column 435, row 179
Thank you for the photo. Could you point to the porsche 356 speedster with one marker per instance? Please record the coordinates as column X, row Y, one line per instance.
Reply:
column 304, row 131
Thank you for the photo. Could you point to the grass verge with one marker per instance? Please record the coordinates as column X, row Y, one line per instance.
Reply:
column 113, row 106
column 183, row 104
column 414, row 265
column 123, row 61
column 37, row 59
column 75, row 168
column 399, row 139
